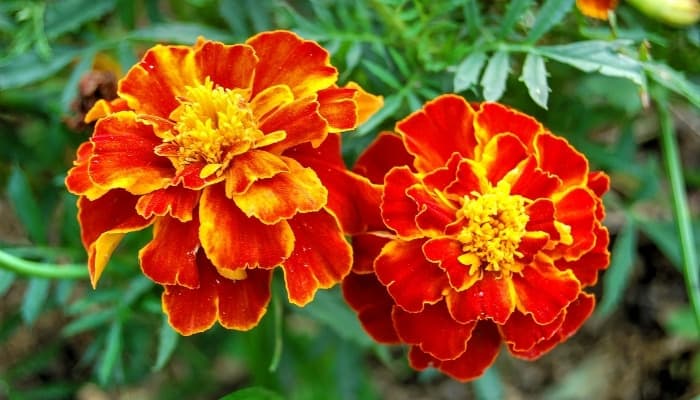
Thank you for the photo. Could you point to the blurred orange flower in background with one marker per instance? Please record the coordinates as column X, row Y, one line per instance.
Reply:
column 202, row 143
column 489, row 232
column 596, row 8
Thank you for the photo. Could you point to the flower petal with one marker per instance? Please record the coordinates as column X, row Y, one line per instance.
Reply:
column 321, row 257
column 227, row 66
column 541, row 218
column 236, row 304
column 494, row 118
column 596, row 8
column 586, row 267
column 492, row 297
column 533, row 182
column 521, row 332
column 233, row 241
column 470, row 178
column 385, row 152
column 577, row 210
column 171, row 257
column 433, row 330
column 398, row 209
column 366, row 248
column 337, row 106
column 103, row 223
column 366, row 104
column 598, row 182
column 78, row 180
column 250, row 167
column 176, row 201
column 445, row 252
column 287, row 59
column 557, row 157
column 411, row 280
column 443, row 126
column 270, row 100
column 284, row 195
column 373, row 305
column 502, row 154
column 104, row 107
column 434, row 213
column 123, row 155
column 300, row 121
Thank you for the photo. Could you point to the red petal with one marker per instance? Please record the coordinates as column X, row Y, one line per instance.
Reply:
column 495, row 118
column 442, row 127
column 502, row 154
column 385, row 152
column 103, row 223
column 491, row 297
column 238, row 304
column 337, row 107
column 596, row 8
column 433, row 330
column 321, row 256
column 173, row 200
column 170, row 258
column 411, row 280
column 598, row 182
column 367, row 104
column 152, row 86
column 543, row 291
column 587, row 266
column 284, row 195
column 577, row 209
column 557, row 157
column 123, row 156
column 78, row 180
column 249, row 168
column 522, row 333
column 373, row 305
column 534, row 183
column 445, row 251
column 541, row 218
column 286, row 59
column 366, row 248
column 301, row 122
column 470, row 178
column 398, row 209
column 435, row 213
column 233, row 241
column 227, row 66
column 103, row 107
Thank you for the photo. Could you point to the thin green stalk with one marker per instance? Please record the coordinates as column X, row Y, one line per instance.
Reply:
column 680, row 203
column 41, row 270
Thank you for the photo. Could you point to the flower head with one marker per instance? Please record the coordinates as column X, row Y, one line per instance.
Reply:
column 211, row 145
column 489, row 232
column 598, row 9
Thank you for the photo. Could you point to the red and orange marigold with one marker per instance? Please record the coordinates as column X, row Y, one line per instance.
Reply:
column 212, row 145
column 489, row 232
column 598, row 9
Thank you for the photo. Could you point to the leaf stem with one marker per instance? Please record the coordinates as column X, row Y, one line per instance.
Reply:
column 680, row 203
column 41, row 270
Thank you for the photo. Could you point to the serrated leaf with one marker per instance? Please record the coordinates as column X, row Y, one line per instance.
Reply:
column 7, row 278
column 514, row 12
column 535, row 78
column 26, row 68
column 113, row 344
column 468, row 71
column 68, row 15
column 382, row 74
column 391, row 105
column 178, row 32
column 167, row 342
column 252, row 393
column 617, row 277
column 495, row 76
column 550, row 14
column 674, row 81
column 34, row 298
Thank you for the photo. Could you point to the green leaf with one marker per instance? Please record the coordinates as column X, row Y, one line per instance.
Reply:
column 550, row 14
column 29, row 67
column 382, row 74
column 674, row 81
column 472, row 17
column 391, row 105
column 330, row 309
column 468, row 71
column 88, row 322
column 681, row 322
column 70, row 90
column 234, row 16
column 253, row 393
column 68, row 15
column 617, row 277
column 489, row 386
column 34, row 298
column 535, row 78
column 178, row 32
column 167, row 342
column 597, row 56
column 495, row 75
column 7, row 278
column 514, row 12
column 111, row 353
column 257, row 9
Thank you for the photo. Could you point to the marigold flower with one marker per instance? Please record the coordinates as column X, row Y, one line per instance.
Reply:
column 490, row 230
column 596, row 8
column 211, row 144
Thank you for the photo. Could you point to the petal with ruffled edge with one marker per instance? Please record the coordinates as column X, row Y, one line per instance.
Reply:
column 541, row 218
column 373, row 305
column 153, row 85
column 575, row 315
column 384, row 153
column 337, row 106
column 176, row 201
column 229, row 66
column 577, row 210
column 445, row 251
column 521, row 332
column 271, row 200
column 236, row 304
column 366, row 104
column 412, row 281
column 233, row 241
column 557, row 157
column 78, row 180
column 171, row 257
column 470, row 178
column 366, row 248
column 491, row 297
column 398, row 209
column 123, row 156
column 502, row 154
column 586, row 267
column 104, row 222
column 249, row 168
column 543, row 291
column 287, row 59
column 533, row 182
column 104, row 107
column 321, row 256
column 433, row 330
column 300, row 121
column 494, row 118
column 482, row 350
column 441, row 127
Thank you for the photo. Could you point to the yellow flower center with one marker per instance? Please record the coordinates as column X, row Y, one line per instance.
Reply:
column 494, row 226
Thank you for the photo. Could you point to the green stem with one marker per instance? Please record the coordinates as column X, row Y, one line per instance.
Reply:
column 42, row 270
column 680, row 203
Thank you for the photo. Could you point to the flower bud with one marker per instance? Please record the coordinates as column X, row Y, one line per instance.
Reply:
column 678, row 13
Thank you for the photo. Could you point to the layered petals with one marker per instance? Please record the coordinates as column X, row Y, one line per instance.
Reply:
column 171, row 257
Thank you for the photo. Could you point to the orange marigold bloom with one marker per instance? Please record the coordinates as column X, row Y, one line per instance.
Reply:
column 214, row 145
column 596, row 8
column 490, row 230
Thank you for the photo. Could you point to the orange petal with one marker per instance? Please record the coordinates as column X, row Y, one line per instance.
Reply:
column 284, row 195
column 412, row 281
column 78, row 180
column 384, row 153
column 576, row 314
column 398, row 209
column 586, row 267
column 170, row 258
column 287, row 59
column 123, row 156
column 495, row 118
column 238, row 304
column 366, row 104
column 470, row 178
column 366, row 248
column 521, row 332
column 482, row 350
column 543, row 291
column 103, row 224
column 433, row 330
column 250, row 167
column 502, row 154
column 443, row 126
column 321, row 256
column 176, row 201
column 233, row 241
column 434, row 214
column 557, row 157
column 152, row 86
column 492, row 297
column 337, row 106
column 445, row 252
column 596, row 8
column 577, row 209
column 269, row 100
column 373, row 305
column 533, row 182
column 104, row 107
column 227, row 66
column 300, row 121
